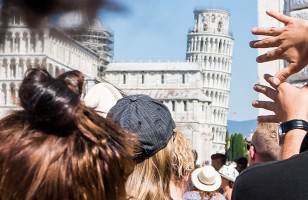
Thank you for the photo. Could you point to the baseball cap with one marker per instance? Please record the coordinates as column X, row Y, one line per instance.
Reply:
column 148, row 118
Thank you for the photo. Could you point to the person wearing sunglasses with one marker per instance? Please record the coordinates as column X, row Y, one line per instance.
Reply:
column 264, row 146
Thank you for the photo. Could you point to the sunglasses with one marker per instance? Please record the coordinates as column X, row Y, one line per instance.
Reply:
column 248, row 144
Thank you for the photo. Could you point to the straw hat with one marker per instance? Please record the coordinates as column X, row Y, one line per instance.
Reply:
column 206, row 178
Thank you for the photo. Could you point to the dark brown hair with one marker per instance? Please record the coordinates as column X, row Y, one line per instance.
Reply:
column 57, row 148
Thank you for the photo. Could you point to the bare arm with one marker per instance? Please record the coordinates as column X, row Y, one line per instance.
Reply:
column 291, row 42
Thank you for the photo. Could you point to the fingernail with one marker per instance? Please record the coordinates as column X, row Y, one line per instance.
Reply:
column 254, row 29
column 276, row 81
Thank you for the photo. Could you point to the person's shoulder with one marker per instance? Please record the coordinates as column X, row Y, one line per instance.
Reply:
column 192, row 195
column 273, row 166
column 263, row 177
column 220, row 197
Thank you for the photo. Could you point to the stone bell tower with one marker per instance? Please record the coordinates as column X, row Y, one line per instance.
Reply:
column 211, row 43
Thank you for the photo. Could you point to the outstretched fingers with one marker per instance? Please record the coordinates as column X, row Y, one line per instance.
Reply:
column 265, row 43
column 267, row 118
column 267, row 91
column 280, row 17
column 283, row 74
column 270, row 55
column 267, row 31
column 267, row 105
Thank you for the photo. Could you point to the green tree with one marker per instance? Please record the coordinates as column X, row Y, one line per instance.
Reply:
column 237, row 147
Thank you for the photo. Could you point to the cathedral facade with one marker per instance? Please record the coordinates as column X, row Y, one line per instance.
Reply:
column 22, row 48
column 196, row 91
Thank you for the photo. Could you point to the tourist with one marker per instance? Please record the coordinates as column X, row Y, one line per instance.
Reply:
column 264, row 146
column 228, row 175
column 54, row 147
column 241, row 164
column 206, row 181
column 285, row 179
column 218, row 160
column 152, row 122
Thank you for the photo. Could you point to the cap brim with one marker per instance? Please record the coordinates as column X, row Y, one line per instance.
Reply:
column 202, row 186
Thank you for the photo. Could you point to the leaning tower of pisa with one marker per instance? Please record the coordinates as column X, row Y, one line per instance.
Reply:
column 211, row 43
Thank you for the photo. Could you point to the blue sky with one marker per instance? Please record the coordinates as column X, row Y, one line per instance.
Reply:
column 157, row 30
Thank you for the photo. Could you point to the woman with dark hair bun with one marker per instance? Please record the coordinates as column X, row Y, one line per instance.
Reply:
column 57, row 148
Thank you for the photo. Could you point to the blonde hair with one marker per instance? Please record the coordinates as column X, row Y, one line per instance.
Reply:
column 150, row 178
column 265, row 142
column 182, row 157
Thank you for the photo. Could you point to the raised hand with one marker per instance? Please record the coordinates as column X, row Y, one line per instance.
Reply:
column 288, row 102
column 291, row 42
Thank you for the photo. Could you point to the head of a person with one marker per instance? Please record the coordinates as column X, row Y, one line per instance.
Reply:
column 218, row 160
column 206, row 179
column 54, row 147
column 264, row 146
column 228, row 175
column 241, row 164
column 152, row 122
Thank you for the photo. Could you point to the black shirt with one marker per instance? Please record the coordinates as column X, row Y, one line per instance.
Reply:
column 285, row 179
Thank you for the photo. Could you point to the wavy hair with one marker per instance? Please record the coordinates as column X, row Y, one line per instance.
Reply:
column 57, row 148
column 182, row 157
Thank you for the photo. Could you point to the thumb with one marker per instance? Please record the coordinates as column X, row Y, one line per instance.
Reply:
column 283, row 74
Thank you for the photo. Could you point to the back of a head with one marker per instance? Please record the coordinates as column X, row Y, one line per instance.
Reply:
column 265, row 142
column 57, row 148
column 218, row 160
column 152, row 122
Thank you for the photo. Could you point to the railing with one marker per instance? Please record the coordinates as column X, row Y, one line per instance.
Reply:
column 212, row 30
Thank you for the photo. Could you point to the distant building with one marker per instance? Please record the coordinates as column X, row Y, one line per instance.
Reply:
column 95, row 37
column 22, row 48
column 197, row 91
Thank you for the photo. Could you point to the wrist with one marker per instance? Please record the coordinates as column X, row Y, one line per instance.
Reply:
column 291, row 127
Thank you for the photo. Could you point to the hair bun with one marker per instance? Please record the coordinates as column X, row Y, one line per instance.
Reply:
column 52, row 102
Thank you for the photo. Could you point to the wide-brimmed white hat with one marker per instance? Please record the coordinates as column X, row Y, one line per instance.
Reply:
column 102, row 97
column 229, row 173
column 206, row 178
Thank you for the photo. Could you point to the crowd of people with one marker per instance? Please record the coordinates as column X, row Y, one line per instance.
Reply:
column 57, row 147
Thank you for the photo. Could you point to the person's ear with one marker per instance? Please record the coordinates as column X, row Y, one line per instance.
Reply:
column 252, row 153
